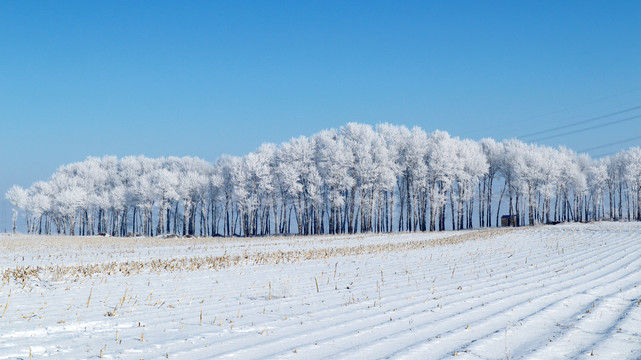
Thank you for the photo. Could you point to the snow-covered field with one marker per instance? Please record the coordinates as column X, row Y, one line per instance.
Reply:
column 565, row 291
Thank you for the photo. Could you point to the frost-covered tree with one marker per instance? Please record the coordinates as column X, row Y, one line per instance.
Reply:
column 472, row 167
column 258, row 190
column 441, row 161
column 353, row 179
column 164, row 185
column 634, row 175
column 333, row 160
column 17, row 196
column 39, row 201
column 372, row 170
column 301, row 189
column 494, row 156
column 412, row 176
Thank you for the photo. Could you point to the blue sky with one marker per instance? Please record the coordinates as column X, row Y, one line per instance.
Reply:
column 206, row 78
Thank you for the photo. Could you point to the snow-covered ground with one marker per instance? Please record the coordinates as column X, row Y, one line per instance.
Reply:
column 565, row 291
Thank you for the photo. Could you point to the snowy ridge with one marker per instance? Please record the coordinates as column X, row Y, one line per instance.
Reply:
column 566, row 291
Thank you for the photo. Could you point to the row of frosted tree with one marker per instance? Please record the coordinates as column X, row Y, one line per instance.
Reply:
column 355, row 179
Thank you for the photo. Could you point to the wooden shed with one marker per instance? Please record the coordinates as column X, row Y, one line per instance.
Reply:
column 507, row 221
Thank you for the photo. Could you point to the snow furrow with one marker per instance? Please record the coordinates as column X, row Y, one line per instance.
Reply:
column 567, row 291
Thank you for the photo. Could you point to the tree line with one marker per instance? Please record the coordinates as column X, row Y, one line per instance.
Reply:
column 357, row 178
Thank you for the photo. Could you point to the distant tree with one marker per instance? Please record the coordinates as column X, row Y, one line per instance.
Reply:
column 17, row 196
column 494, row 155
column 472, row 167
column 441, row 159
column 353, row 179
column 333, row 160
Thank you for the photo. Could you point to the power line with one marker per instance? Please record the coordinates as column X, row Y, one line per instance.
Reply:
column 605, row 154
column 496, row 126
column 581, row 122
column 588, row 102
column 610, row 144
column 587, row 128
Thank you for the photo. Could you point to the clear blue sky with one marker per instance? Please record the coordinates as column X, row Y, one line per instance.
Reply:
column 205, row 78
